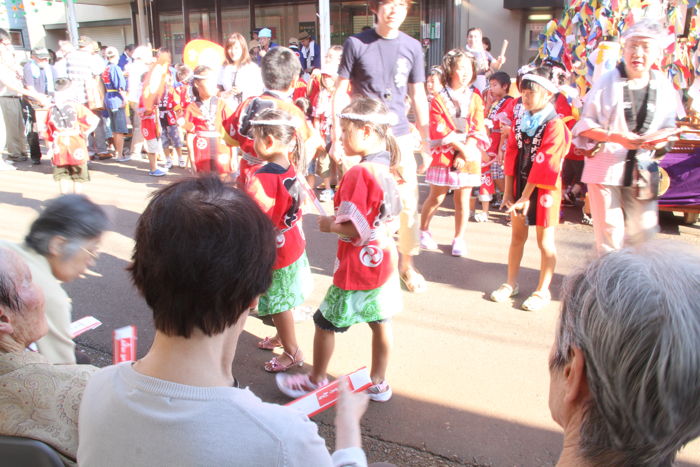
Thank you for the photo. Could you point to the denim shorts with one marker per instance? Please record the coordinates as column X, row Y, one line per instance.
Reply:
column 117, row 121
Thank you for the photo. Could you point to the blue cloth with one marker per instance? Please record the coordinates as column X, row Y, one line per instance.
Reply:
column 315, row 60
column 116, row 83
column 529, row 123
column 124, row 60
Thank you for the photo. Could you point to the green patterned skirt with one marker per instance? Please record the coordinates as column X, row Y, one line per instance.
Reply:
column 344, row 308
column 290, row 287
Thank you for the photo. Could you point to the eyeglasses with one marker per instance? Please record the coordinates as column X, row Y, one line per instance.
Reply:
column 93, row 254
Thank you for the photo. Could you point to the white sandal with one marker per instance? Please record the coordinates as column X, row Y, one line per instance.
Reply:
column 504, row 292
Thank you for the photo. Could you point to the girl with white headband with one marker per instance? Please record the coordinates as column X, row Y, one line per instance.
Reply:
column 278, row 192
column 458, row 141
column 366, row 285
column 534, row 155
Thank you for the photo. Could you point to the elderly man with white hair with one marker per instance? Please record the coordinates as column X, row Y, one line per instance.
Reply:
column 38, row 400
column 625, row 365
column 623, row 122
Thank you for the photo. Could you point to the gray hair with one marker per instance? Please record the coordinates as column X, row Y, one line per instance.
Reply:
column 73, row 217
column 635, row 315
column 646, row 28
column 9, row 298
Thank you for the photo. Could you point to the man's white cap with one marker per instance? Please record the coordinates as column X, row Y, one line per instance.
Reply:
column 264, row 32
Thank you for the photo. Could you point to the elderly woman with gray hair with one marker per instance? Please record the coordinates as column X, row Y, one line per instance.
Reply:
column 625, row 365
column 627, row 118
column 61, row 244
column 38, row 400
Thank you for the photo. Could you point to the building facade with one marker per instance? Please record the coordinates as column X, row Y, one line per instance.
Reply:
column 439, row 24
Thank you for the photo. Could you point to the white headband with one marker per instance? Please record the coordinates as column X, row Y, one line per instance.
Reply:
column 273, row 122
column 542, row 81
column 378, row 119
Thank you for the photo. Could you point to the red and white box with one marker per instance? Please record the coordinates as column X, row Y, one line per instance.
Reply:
column 83, row 325
column 326, row 396
column 124, row 344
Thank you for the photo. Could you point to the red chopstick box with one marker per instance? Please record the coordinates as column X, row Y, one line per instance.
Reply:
column 124, row 344
column 326, row 396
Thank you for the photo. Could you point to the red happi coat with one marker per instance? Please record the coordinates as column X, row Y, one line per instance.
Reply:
column 237, row 130
column 494, row 116
column 368, row 197
column 563, row 109
column 150, row 121
column 444, row 130
column 278, row 192
column 211, row 154
column 545, row 170
column 67, row 127
column 168, row 106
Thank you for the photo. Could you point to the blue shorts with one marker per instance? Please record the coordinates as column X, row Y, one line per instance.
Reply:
column 117, row 121
column 170, row 136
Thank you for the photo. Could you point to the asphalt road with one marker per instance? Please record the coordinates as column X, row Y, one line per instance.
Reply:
column 469, row 376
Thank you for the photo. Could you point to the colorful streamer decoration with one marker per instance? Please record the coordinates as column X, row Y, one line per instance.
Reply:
column 575, row 39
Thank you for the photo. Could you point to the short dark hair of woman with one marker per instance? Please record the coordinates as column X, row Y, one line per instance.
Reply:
column 204, row 252
column 73, row 217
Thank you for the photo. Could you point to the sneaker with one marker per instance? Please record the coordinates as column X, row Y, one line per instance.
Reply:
column 183, row 162
column 157, row 173
column 569, row 198
column 481, row 217
column 380, row 392
column 326, row 195
column 297, row 384
column 18, row 157
column 426, row 241
column 124, row 158
column 458, row 248
column 169, row 163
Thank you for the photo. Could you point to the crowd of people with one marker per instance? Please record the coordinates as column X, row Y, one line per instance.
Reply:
column 263, row 132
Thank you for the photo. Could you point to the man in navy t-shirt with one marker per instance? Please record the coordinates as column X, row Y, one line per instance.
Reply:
column 386, row 64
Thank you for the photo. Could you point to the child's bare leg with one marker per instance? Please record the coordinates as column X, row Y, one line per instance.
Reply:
column 284, row 322
column 461, row 198
column 152, row 161
column 77, row 187
column 118, row 139
column 518, row 238
column 65, row 186
column 430, row 205
column 381, row 347
column 548, row 252
column 324, row 343
column 485, row 206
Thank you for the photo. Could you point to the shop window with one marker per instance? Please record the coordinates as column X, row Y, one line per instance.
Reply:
column 235, row 20
column 286, row 21
column 349, row 17
column 172, row 34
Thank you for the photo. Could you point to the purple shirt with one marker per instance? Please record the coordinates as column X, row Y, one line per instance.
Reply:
column 382, row 69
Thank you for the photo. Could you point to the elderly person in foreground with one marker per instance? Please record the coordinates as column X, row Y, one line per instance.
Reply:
column 180, row 404
column 627, row 118
column 61, row 244
column 38, row 400
column 625, row 365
